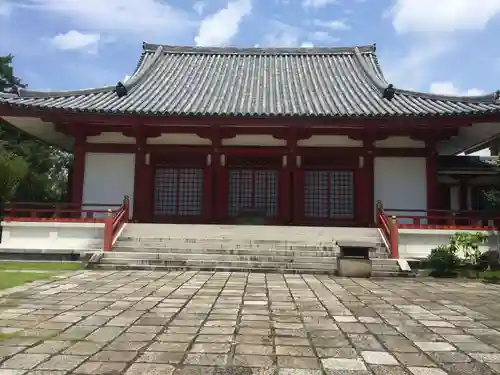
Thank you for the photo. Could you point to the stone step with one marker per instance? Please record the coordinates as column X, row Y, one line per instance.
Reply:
column 378, row 269
column 202, row 244
column 220, row 257
column 247, row 264
column 250, row 242
column 247, row 231
column 237, row 251
column 164, row 268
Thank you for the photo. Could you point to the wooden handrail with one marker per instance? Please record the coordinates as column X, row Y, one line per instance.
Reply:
column 56, row 204
column 390, row 220
column 389, row 229
column 114, row 222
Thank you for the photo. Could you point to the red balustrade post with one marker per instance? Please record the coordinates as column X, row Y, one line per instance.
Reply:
column 380, row 209
column 394, row 237
column 108, row 231
column 126, row 207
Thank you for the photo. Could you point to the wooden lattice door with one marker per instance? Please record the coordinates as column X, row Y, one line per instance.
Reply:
column 329, row 195
column 178, row 192
column 253, row 189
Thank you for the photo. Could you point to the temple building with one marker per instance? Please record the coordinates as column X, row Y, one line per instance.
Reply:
column 296, row 136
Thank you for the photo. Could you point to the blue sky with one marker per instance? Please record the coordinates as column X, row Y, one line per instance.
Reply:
column 445, row 46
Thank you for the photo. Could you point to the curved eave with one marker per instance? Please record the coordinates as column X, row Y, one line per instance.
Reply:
column 151, row 48
column 422, row 114
column 143, row 67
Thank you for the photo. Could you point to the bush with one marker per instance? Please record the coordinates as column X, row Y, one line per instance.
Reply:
column 443, row 261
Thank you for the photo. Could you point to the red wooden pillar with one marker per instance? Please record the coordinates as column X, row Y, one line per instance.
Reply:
column 139, row 178
column 78, row 170
column 222, row 189
column 298, row 190
column 364, row 185
column 147, row 189
column 208, row 191
column 285, row 189
column 288, row 181
column 219, row 194
column 432, row 183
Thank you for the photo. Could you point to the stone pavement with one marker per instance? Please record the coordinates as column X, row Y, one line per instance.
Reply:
column 137, row 323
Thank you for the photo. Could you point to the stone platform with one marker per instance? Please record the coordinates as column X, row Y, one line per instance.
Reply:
column 142, row 323
column 283, row 249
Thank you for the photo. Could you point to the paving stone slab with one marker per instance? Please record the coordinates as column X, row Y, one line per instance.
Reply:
column 241, row 323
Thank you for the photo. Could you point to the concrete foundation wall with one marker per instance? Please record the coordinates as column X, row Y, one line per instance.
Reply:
column 50, row 235
column 418, row 243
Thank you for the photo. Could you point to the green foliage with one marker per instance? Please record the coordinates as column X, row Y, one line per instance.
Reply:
column 29, row 169
column 13, row 170
column 443, row 261
column 468, row 245
column 7, row 77
column 462, row 252
column 493, row 195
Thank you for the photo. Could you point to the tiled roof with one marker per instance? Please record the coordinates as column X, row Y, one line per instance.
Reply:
column 337, row 82
column 467, row 163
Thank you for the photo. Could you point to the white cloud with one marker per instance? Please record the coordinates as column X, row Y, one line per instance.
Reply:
column 448, row 88
column 282, row 35
column 142, row 19
column 5, row 8
column 333, row 25
column 322, row 37
column 443, row 16
column 317, row 3
column 74, row 40
column 199, row 7
column 219, row 28
column 306, row 45
column 412, row 69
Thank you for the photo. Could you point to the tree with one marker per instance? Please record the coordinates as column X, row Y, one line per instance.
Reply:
column 7, row 78
column 30, row 170
column 493, row 194
column 13, row 170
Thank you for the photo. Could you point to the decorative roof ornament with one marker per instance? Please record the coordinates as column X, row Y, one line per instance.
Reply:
column 11, row 90
column 121, row 90
column 497, row 96
column 389, row 92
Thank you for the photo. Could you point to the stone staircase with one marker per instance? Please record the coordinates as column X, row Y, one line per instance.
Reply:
column 239, row 248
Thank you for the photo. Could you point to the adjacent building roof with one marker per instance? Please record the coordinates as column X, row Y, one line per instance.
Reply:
column 334, row 82
column 467, row 164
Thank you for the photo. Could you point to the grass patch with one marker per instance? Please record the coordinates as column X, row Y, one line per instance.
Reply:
column 9, row 278
column 40, row 266
column 12, row 279
column 489, row 274
column 6, row 336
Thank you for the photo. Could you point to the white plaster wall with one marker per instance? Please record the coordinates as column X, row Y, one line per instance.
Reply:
column 399, row 142
column 108, row 178
column 330, row 141
column 52, row 236
column 178, row 139
column 401, row 183
column 418, row 243
column 111, row 137
column 253, row 140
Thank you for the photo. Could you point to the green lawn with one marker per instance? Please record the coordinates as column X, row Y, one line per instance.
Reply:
column 9, row 278
column 40, row 266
